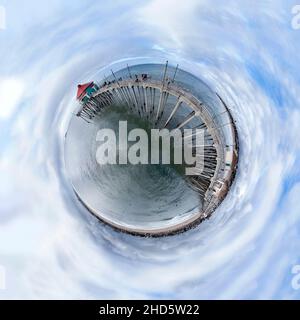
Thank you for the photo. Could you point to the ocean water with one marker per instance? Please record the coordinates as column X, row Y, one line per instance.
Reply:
column 137, row 196
column 51, row 248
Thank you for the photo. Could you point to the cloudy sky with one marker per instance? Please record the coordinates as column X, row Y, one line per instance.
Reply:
column 49, row 248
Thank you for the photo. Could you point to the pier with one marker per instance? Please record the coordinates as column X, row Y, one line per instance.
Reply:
column 160, row 102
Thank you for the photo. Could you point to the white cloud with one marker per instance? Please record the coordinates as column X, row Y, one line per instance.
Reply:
column 11, row 90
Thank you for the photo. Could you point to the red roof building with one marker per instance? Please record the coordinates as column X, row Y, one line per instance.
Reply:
column 82, row 89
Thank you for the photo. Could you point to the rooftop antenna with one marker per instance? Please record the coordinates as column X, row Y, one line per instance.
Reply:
column 115, row 77
column 162, row 91
column 165, row 72
column 175, row 73
column 122, row 92
column 129, row 71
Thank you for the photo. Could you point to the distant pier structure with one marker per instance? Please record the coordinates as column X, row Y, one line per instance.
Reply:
column 167, row 103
